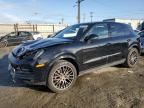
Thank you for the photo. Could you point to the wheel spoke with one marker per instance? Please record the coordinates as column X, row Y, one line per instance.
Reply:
column 57, row 83
column 66, row 69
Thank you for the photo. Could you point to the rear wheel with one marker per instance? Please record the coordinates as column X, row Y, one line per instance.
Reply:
column 62, row 76
column 132, row 58
column 38, row 38
column 3, row 44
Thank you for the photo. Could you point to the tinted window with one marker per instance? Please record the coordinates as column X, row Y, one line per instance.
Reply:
column 99, row 30
column 141, row 34
column 72, row 31
column 119, row 30
column 23, row 34
column 12, row 34
column 35, row 33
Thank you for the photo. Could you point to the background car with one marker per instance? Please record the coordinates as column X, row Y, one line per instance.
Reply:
column 15, row 38
column 137, row 31
column 141, row 34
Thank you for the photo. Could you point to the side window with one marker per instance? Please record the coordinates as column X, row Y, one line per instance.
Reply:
column 12, row 34
column 99, row 30
column 119, row 30
column 23, row 34
column 141, row 34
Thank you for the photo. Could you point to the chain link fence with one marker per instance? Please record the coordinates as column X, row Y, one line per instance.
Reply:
column 44, row 29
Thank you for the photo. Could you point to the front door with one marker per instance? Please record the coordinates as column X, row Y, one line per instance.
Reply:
column 141, row 34
column 95, row 50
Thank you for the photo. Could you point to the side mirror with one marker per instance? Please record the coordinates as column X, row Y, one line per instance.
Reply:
column 91, row 36
column 141, row 34
column 49, row 36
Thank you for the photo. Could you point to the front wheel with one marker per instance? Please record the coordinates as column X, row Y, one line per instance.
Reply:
column 132, row 58
column 62, row 76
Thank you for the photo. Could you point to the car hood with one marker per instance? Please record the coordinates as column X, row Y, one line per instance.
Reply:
column 45, row 42
column 38, row 44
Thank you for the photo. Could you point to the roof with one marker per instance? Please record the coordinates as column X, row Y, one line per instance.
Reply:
column 102, row 22
column 123, row 19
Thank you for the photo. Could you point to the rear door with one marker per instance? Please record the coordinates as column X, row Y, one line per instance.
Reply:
column 141, row 34
column 118, row 43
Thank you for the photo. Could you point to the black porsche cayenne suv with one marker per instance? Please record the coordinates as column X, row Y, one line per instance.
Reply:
column 56, row 62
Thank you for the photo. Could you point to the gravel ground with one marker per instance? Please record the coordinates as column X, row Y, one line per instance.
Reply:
column 113, row 87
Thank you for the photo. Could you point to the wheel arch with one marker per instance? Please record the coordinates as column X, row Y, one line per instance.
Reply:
column 135, row 46
column 68, row 57
column 73, row 62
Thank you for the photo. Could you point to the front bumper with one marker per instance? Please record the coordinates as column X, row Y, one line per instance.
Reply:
column 26, row 72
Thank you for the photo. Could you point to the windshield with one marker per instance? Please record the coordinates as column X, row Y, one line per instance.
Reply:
column 35, row 33
column 72, row 31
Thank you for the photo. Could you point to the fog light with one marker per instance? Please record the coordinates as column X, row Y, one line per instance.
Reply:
column 40, row 65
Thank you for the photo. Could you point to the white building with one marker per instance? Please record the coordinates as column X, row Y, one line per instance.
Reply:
column 133, row 22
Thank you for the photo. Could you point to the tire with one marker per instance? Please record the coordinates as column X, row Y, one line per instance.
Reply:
column 3, row 44
column 132, row 58
column 38, row 38
column 59, row 81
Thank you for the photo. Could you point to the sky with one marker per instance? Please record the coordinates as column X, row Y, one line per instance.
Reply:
column 53, row 11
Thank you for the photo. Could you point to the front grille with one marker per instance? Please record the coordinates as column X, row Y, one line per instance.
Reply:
column 20, row 69
column 23, row 70
column 14, row 66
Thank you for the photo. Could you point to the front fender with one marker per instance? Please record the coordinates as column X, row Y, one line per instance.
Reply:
column 134, row 46
column 52, row 61
column 62, row 56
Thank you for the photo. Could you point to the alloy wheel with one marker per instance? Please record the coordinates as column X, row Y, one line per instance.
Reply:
column 63, row 77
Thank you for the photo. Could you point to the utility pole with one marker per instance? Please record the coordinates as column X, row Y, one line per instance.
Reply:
column 78, row 10
column 62, row 20
column 84, row 17
column 91, row 16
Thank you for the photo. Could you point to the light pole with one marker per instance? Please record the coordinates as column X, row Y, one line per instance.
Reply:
column 91, row 16
column 78, row 10
column 84, row 17
column 62, row 20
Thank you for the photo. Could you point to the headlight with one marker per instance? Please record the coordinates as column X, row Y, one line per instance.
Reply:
column 39, row 53
column 28, row 54
column 33, row 54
